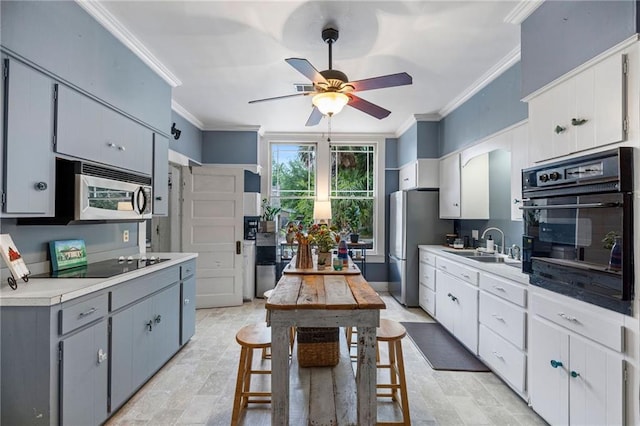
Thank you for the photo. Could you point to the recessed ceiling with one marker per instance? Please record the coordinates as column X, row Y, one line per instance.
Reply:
column 226, row 53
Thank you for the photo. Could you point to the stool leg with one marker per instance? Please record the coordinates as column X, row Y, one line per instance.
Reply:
column 403, row 383
column 393, row 370
column 242, row 368
column 247, row 378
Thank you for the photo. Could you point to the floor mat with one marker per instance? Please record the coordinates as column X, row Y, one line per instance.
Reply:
column 441, row 349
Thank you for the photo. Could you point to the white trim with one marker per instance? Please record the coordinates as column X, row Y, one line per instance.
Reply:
column 586, row 65
column 119, row 31
column 180, row 159
column 182, row 112
column 522, row 11
column 493, row 73
column 414, row 119
column 247, row 128
column 254, row 168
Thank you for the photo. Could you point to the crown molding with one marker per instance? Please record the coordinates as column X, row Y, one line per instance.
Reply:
column 414, row 119
column 182, row 112
column 238, row 128
column 119, row 31
column 522, row 11
column 493, row 73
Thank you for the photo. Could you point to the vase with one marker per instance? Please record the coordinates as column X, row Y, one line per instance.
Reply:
column 615, row 258
column 303, row 258
column 324, row 258
column 290, row 237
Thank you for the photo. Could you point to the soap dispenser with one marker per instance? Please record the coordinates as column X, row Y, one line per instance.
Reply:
column 490, row 244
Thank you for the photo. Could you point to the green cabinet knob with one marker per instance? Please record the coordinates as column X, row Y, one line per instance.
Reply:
column 559, row 129
column 578, row 121
column 556, row 364
column 574, row 374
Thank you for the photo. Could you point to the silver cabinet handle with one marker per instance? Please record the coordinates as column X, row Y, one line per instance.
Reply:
column 111, row 144
column 497, row 287
column 87, row 313
column 498, row 355
column 102, row 356
column 187, row 301
column 498, row 317
column 465, row 276
column 567, row 317
column 122, row 148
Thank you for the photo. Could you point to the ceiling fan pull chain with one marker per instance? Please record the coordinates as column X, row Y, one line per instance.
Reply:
column 329, row 125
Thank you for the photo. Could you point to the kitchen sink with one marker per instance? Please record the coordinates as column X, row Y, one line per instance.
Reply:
column 485, row 257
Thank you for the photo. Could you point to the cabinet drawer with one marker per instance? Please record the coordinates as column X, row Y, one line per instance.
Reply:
column 505, row 289
column 464, row 273
column 82, row 313
column 580, row 318
column 130, row 291
column 427, row 276
column 187, row 269
column 428, row 300
column 507, row 320
column 427, row 257
column 503, row 358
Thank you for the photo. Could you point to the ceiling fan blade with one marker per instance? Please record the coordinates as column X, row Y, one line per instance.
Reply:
column 280, row 97
column 305, row 68
column 391, row 80
column 314, row 118
column 367, row 107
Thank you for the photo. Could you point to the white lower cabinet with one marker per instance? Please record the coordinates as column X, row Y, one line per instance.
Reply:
column 573, row 380
column 457, row 307
column 427, row 282
column 506, row 360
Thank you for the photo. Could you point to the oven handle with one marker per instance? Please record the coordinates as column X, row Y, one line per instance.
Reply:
column 572, row 206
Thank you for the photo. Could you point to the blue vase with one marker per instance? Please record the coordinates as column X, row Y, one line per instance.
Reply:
column 615, row 258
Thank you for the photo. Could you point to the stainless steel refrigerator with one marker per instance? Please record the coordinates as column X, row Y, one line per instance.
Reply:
column 413, row 220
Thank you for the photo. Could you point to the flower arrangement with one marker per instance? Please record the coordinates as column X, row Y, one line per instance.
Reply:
column 323, row 237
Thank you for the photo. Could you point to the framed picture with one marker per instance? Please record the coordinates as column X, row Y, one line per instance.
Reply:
column 67, row 254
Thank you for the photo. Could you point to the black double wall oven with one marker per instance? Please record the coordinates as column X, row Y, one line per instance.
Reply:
column 574, row 212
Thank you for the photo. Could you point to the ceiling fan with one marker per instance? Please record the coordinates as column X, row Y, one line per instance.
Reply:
column 332, row 90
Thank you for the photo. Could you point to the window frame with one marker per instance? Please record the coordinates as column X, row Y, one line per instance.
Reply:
column 323, row 174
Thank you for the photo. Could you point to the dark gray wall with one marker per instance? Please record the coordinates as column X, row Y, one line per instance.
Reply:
column 427, row 139
column 391, row 153
column 493, row 108
column 61, row 38
column 251, row 182
column 230, row 147
column 408, row 145
column 190, row 142
column 560, row 35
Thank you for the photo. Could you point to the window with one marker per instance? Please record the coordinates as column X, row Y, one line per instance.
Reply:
column 293, row 180
column 349, row 171
column 353, row 189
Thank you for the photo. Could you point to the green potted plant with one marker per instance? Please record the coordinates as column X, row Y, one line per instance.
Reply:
column 269, row 214
column 352, row 215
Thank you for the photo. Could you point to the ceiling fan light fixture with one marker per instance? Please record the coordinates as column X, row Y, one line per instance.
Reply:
column 330, row 103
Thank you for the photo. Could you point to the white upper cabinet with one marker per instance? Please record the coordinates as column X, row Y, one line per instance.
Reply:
column 450, row 187
column 519, row 138
column 584, row 111
column 422, row 173
column 474, row 188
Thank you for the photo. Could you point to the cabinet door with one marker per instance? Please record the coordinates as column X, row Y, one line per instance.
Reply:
column 188, row 309
column 540, row 128
column 446, row 307
column 548, row 385
column 84, row 376
column 407, row 177
column 160, row 175
column 474, row 188
column 610, row 100
column 450, row 186
column 466, row 321
column 166, row 327
column 89, row 130
column 29, row 163
column 596, row 393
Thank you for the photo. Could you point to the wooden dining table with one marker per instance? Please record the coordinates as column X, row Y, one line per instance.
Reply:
column 324, row 300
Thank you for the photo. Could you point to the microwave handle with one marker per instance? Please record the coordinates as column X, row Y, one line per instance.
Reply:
column 571, row 206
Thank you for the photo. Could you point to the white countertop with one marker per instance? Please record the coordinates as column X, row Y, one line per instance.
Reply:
column 501, row 269
column 51, row 291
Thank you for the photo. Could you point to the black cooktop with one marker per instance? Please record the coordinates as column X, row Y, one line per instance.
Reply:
column 104, row 269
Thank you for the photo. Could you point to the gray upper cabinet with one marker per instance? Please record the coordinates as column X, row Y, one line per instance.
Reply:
column 29, row 164
column 89, row 130
column 160, row 175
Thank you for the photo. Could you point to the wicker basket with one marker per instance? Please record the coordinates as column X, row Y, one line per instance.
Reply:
column 318, row 346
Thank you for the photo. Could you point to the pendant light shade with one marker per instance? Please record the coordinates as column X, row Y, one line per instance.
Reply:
column 330, row 103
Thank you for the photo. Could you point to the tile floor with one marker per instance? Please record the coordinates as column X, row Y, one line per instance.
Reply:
column 197, row 385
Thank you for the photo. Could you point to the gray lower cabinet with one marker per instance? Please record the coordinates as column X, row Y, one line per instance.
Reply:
column 29, row 164
column 84, row 375
column 77, row 362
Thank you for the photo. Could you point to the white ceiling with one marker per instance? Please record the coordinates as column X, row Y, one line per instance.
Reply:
column 222, row 54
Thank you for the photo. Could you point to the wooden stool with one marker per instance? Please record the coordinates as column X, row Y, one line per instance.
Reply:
column 351, row 342
column 250, row 337
column 392, row 332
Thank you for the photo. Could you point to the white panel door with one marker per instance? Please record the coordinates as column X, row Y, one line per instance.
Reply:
column 212, row 226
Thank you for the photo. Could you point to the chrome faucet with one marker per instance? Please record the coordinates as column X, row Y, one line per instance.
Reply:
column 496, row 229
